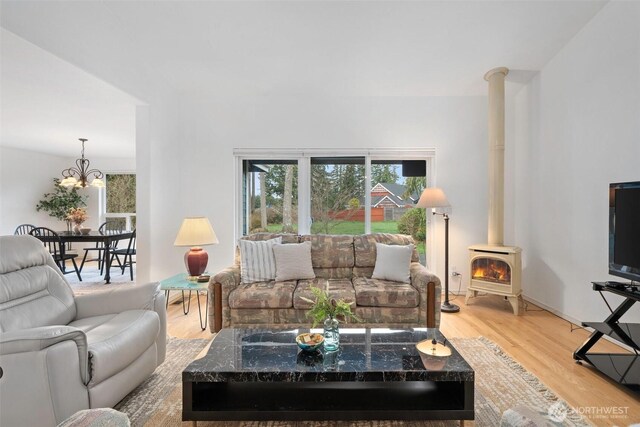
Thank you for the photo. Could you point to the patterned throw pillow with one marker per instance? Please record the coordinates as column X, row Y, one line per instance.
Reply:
column 293, row 261
column 393, row 262
column 257, row 263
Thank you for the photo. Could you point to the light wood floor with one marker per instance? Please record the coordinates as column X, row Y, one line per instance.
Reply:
column 540, row 341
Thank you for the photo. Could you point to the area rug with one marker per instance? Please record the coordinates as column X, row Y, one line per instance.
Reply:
column 501, row 384
column 93, row 281
column 154, row 395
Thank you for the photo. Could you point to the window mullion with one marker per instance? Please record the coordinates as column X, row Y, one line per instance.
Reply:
column 304, row 195
column 367, row 194
column 241, row 199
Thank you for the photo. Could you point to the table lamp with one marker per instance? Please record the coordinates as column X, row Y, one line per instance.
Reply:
column 434, row 198
column 196, row 232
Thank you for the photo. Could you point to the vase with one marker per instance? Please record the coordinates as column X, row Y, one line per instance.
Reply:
column 76, row 229
column 331, row 334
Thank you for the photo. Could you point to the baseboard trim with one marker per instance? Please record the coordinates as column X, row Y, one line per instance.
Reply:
column 573, row 321
column 175, row 297
column 555, row 312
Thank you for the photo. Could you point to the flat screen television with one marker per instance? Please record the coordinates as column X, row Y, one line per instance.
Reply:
column 624, row 230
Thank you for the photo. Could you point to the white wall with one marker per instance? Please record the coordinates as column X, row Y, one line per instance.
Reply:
column 576, row 129
column 24, row 178
column 192, row 165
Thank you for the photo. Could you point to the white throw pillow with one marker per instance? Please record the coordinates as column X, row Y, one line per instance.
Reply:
column 257, row 263
column 393, row 262
column 293, row 261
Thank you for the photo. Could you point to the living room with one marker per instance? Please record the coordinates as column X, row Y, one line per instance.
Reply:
column 193, row 89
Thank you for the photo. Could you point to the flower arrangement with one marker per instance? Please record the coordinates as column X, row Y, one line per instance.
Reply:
column 77, row 215
column 325, row 307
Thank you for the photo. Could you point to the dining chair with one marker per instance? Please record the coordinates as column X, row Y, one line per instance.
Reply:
column 54, row 245
column 111, row 227
column 23, row 229
column 99, row 247
column 129, row 252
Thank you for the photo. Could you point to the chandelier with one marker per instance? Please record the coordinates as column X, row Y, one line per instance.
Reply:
column 79, row 176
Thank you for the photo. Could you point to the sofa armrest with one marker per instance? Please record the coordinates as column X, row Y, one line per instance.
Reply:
column 118, row 299
column 47, row 365
column 428, row 284
column 36, row 339
column 220, row 286
column 147, row 296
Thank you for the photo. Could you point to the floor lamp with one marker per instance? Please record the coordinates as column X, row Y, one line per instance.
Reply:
column 435, row 198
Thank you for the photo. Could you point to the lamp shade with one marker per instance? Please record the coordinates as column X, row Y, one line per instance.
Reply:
column 433, row 198
column 196, row 231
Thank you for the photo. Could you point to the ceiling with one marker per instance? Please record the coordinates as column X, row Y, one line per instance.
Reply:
column 202, row 49
column 47, row 104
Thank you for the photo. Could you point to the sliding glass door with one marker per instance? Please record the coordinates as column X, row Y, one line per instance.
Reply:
column 396, row 186
column 270, row 196
column 339, row 193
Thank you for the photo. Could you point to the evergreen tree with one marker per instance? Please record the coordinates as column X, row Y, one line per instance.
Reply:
column 383, row 173
column 414, row 185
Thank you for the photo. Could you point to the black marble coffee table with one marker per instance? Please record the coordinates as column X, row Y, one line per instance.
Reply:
column 377, row 374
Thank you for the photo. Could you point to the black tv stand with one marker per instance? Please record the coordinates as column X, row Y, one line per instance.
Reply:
column 613, row 283
column 623, row 368
column 617, row 284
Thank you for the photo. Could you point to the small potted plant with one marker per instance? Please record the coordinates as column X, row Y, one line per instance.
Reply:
column 329, row 311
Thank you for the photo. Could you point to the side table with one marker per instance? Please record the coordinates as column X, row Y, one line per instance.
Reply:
column 180, row 282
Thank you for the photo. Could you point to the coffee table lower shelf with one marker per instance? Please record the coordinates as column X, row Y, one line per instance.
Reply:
column 315, row 401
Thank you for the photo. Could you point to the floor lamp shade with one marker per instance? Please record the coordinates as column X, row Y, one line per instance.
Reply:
column 196, row 232
column 435, row 198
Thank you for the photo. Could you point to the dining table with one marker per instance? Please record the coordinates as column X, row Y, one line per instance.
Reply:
column 92, row 237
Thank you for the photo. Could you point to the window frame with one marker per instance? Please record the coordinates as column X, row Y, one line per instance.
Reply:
column 304, row 179
column 103, row 215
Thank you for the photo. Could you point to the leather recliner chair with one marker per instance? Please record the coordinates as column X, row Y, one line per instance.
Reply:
column 61, row 353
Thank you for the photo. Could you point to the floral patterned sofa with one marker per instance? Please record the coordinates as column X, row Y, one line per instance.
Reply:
column 343, row 264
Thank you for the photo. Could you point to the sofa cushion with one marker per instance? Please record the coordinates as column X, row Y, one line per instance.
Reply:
column 365, row 247
column 116, row 341
column 270, row 294
column 286, row 238
column 392, row 262
column 334, row 273
column 338, row 289
column 363, row 271
column 328, row 251
column 257, row 262
column 384, row 293
column 293, row 261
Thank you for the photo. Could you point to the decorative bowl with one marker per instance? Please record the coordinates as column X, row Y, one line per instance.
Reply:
column 309, row 341
column 85, row 230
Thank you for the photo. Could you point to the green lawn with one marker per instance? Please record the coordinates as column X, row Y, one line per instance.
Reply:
column 353, row 227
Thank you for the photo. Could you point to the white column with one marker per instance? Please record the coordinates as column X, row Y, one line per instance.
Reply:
column 143, row 195
column 496, row 77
